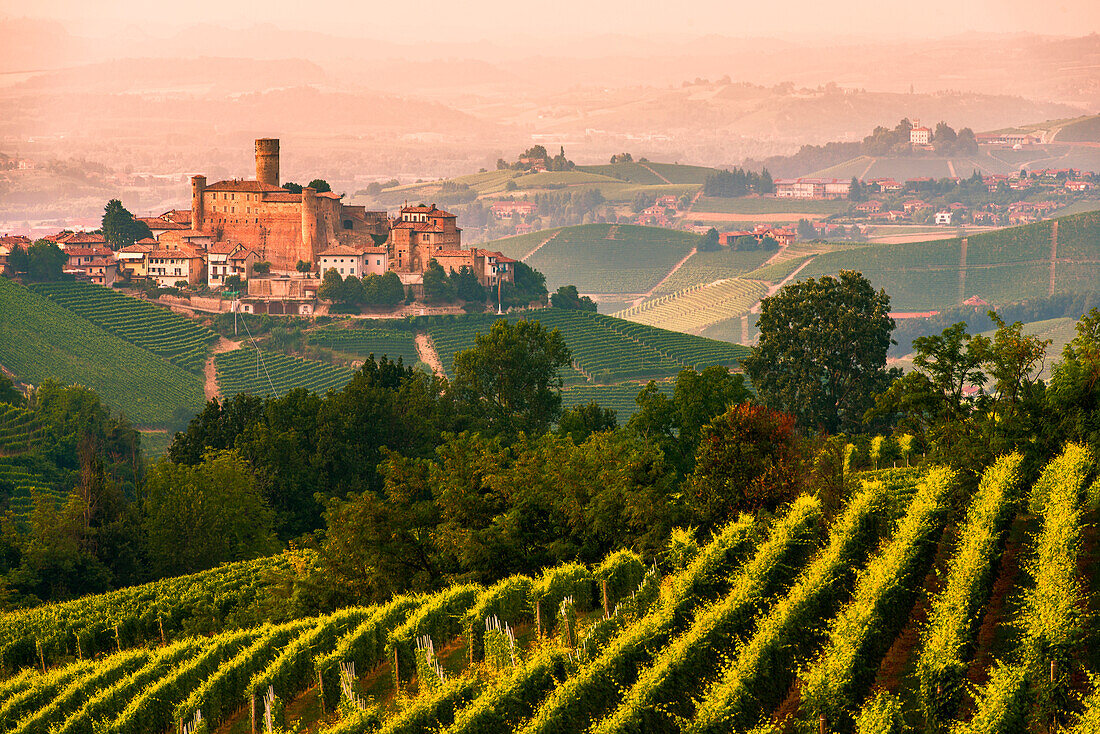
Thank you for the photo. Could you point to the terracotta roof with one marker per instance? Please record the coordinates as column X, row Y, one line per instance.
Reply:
column 330, row 195
column 14, row 239
column 453, row 253
column 282, row 197
column 243, row 253
column 83, row 238
column 418, row 226
column 345, row 250
column 87, row 252
column 158, row 223
column 223, row 248
column 100, row 262
column 177, row 254
column 145, row 245
column 432, row 210
column 177, row 216
column 244, row 185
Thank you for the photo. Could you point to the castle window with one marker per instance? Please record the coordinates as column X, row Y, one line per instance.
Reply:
column 347, row 224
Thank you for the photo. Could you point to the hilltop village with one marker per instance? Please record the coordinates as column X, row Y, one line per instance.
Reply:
column 276, row 244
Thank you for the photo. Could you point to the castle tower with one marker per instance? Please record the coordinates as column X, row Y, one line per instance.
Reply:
column 310, row 219
column 267, row 161
column 198, row 186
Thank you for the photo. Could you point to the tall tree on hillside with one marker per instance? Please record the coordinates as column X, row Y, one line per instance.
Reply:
column 569, row 298
column 512, row 377
column 119, row 226
column 17, row 260
column 822, row 351
column 332, row 286
column 438, row 287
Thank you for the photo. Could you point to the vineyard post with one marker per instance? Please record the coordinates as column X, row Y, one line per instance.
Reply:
column 41, row 655
column 160, row 623
column 79, row 652
column 321, row 690
column 252, row 710
column 396, row 672
column 606, row 601
column 538, row 616
column 118, row 640
column 821, row 724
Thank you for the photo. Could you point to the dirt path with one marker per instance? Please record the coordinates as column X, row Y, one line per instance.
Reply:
column 210, row 374
column 539, row 246
column 772, row 290
column 951, row 168
column 643, row 165
column 867, row 169
column 668, row 275
column 425, row 349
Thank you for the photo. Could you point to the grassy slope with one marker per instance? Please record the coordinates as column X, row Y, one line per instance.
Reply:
column 39, row 340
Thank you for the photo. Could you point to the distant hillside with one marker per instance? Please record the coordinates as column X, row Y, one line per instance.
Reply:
column 1086, row 130
column 1004, row 266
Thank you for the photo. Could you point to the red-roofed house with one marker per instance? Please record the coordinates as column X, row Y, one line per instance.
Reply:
column 135, row 258
column 224, row 259
column 920, row 136
column 506, row 209
column 354, row 260
column 175, row 262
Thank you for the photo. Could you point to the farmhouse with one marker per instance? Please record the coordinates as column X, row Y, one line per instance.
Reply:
column 506, row 209
column 225, row 259
column 812, row 188
column 357, row 261
column 920, row 136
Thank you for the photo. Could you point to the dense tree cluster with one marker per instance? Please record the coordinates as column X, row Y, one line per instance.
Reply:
column 568, row 298
column 370, row 290
column 738, row 182
column 119, row 227
column 538, row 154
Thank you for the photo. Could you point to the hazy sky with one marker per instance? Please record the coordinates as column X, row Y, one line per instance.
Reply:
column 427, row 20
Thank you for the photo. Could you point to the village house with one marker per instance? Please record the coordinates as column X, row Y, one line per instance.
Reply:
column 357, row 261
column 943, row 217
column 134, row 258
column 171, row 264
column 225, row 259
column 920, row 135
column 102, row 271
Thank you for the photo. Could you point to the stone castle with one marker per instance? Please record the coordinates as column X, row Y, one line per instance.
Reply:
column 284, row 227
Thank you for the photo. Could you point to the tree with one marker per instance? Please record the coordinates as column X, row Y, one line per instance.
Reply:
column 673, row 423
column 581, row 421
column 749, row 458
column 568, row 298
column 233, row 283
column 467, row 287
column 45, row 261
column 261, row 267
column 18, row 261
column 293, row 187
column 528, row 286
column 806, row 230
column 709, row 242
column 1012, row 359
column 437, row 284
column 8, row 392
column 319, row 185
column 119, row 226
column 196, row 517
column 855, row 191
column 332, row 286
column 622, row 158
column 354, row 294
column 946, row 364
column 822, row 351
column 511, row 377
column 304, row 266
column 1074, row 392
column 390, row 290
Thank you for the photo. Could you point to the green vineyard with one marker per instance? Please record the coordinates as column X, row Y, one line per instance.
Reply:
column 604, row 258
column 703, row 268
column 605, row 348
column 19, row 430
column 363, row 343
column 176, row 338
column 867, row 617
column 696, row 308
column 257, row 372
column 43, row 340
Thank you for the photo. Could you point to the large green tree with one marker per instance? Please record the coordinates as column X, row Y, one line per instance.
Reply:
column 45, row 261
column 437, row 284
column 1074, row 392
column 822, row 351
column 196, row 517
column 119, row 226
column 511, row 378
